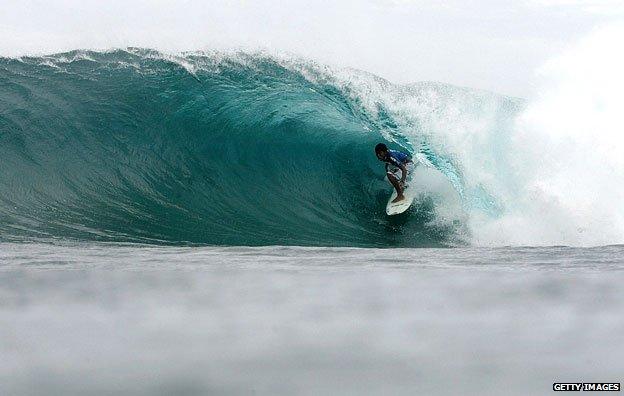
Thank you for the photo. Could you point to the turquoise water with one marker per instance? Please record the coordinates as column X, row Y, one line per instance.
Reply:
column 244, row 149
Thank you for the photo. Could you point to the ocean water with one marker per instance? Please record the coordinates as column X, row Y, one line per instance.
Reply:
column 210, row 223
column 100, row 318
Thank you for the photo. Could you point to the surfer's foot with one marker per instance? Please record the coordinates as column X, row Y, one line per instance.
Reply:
column 398, row 198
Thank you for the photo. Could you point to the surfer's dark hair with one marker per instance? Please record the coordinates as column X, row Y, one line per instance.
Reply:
column 380, row 147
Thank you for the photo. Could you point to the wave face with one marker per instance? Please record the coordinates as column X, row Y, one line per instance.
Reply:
column 240, row 149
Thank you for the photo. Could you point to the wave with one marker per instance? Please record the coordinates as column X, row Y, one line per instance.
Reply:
column 252, row 149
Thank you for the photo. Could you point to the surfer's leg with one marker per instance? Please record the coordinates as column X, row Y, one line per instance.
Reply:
column 397, row 185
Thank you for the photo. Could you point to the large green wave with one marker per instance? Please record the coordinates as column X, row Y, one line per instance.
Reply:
column 245, row 149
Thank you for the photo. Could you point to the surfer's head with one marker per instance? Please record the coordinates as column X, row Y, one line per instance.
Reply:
column 381, row 150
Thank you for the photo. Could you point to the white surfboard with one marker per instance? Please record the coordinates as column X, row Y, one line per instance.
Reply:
column 402, row 205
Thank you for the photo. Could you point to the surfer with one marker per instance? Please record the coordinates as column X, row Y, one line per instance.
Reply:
column 395, row 161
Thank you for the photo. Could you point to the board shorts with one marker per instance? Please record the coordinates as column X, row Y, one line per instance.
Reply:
column 398, row 173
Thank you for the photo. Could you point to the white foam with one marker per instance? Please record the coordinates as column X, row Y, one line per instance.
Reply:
column 568, row 153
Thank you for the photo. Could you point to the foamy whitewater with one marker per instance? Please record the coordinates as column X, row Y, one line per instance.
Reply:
column 213, row 222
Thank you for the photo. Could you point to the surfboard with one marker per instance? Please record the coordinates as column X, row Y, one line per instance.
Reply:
column 402, row 205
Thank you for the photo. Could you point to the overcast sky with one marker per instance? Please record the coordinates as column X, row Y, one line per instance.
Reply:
column 488, row 44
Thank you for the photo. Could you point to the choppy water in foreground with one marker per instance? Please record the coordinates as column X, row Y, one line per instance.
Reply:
column 88, row 318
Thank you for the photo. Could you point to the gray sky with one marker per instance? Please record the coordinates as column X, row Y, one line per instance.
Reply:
column 493, row 45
